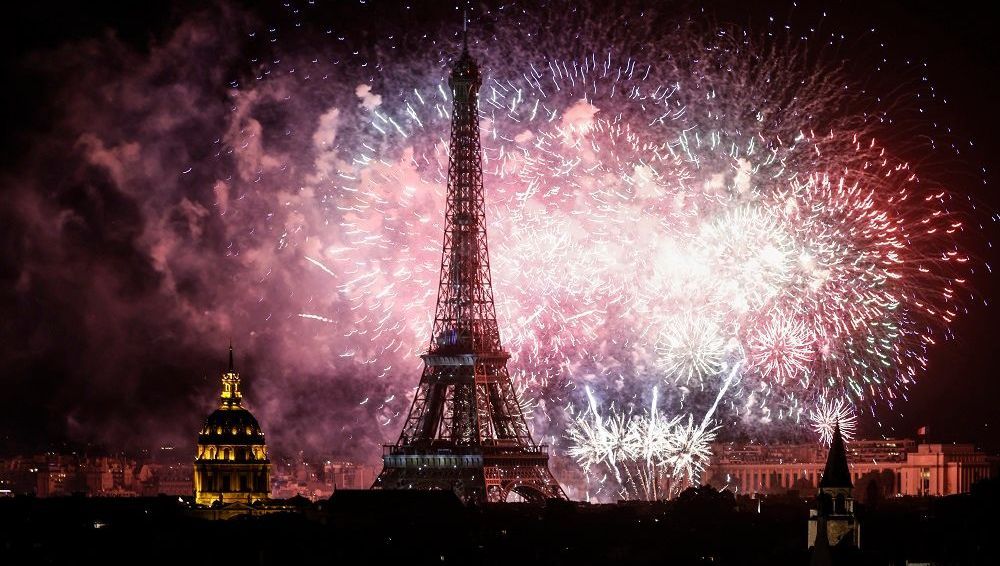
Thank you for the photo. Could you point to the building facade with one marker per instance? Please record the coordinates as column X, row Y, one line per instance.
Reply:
column 891, row 467
column 942, row 469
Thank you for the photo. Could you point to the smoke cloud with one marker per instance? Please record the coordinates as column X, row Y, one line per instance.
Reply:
column 149, row 227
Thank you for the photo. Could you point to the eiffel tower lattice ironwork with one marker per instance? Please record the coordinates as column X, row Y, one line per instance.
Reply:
column 465, row 430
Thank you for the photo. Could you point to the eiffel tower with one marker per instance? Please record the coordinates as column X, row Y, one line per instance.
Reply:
column 465, row 430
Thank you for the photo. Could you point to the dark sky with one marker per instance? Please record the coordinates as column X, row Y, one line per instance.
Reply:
column 100, row 345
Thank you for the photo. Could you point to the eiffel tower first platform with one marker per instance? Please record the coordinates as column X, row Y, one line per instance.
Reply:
column 465, row 431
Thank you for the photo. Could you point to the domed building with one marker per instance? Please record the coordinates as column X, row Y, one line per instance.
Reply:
column 232, row 463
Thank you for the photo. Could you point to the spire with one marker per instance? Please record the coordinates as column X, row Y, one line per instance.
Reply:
column 836, row 473
column 231, row 396
column 465, row 33
column 465, row 79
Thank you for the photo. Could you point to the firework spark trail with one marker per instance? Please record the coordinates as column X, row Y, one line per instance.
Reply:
column 651, row 436
column 596, row 439
column 691, row 447
column 710, row 413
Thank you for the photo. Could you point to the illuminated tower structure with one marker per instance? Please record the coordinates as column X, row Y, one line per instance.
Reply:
column 833, row 517
column 465, row 430
column 232, row 465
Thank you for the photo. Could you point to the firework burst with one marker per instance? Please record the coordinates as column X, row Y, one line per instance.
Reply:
column 690, row 449
column 828, row 414
column 781, row 349
column 642, row 450
column 693, row 348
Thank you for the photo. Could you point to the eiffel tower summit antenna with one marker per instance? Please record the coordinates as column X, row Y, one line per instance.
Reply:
column 465, row 431
column 465, row 31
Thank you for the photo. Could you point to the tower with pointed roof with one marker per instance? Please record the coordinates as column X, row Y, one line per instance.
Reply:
column 832, row 517
column 231, row 465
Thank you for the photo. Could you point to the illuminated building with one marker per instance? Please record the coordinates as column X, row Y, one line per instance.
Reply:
column 897, row 467
column 943, row 469
column 232, row 464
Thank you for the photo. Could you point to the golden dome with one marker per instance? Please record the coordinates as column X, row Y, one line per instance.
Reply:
column 232, row 463
column 235, row 426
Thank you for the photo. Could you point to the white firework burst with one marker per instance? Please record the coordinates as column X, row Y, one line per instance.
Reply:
column 595, row 439
column 691, row 348
column 828, row 414
column 652, row 435
column 689, row 450
column 586, row 441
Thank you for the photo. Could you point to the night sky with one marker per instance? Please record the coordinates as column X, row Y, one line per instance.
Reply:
column 123, row 278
